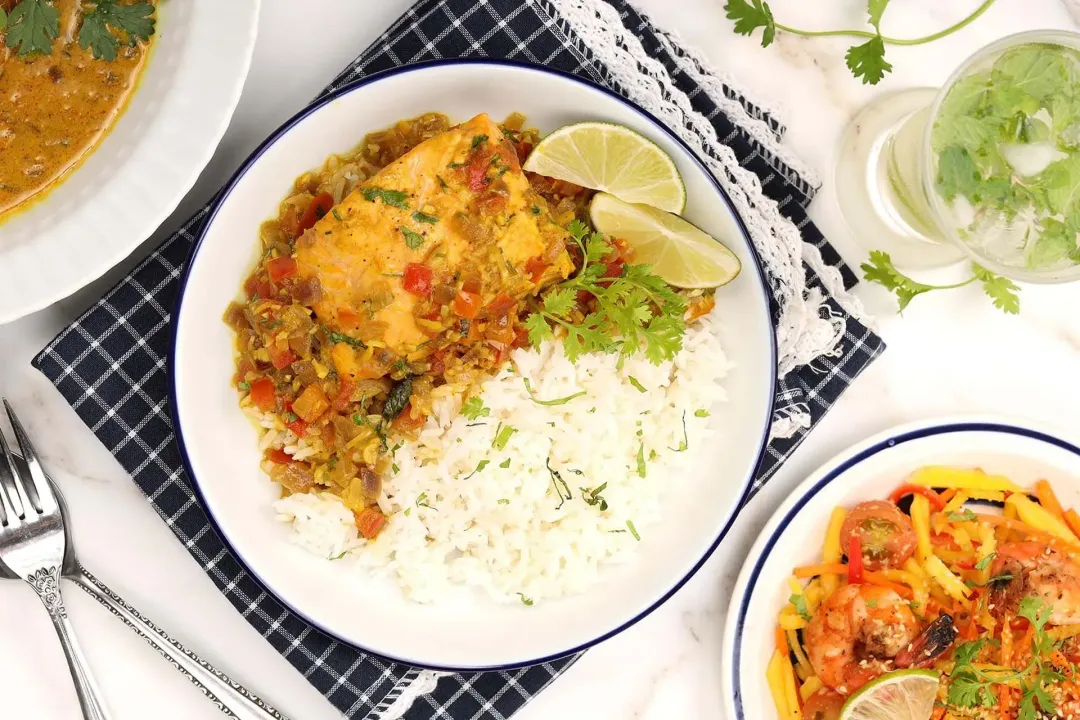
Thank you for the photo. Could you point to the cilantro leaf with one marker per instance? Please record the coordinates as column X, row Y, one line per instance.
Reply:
column 1034, row 611
column 881, row 270
column 799, row 601
column 985, row 562
column 393, row 198
column 966, row 653
column 473, row 408
column 749, row 16
column 108, row 22
column 3, row 19
column 867, row 61
column 32, row 25
column 559, row 301
column 962, row 516
column 876, row 8
column 1002, row 291
column 412, row 238
column 538, row 329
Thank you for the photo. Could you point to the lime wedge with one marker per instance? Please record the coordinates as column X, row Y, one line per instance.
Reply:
column 611, row 158
column 899, row 695
column 678, row 252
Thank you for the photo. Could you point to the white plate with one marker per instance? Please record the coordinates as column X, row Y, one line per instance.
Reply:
column 144, row 166
column 869, row 471
column 219, row 443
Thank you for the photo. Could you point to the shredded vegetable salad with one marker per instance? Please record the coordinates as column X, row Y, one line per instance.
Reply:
column 959, row 571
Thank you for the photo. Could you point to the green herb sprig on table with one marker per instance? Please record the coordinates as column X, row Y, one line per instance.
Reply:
column 635, row 311
column 881, row 270
column 866, row 61
column 32, row 25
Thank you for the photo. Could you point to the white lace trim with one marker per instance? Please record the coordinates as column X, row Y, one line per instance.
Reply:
column 425, row 682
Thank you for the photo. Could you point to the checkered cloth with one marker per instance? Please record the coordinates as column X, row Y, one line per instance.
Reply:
column 110, row 364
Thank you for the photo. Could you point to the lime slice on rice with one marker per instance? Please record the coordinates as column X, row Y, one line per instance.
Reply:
column 613, row 159
column 678, row 252
column 899, row 695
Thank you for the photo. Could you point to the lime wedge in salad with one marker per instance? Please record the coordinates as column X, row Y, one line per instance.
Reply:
column 681, row 254
column 613, row 159
column 899, row 695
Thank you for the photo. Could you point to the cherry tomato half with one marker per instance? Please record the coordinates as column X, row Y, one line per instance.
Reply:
column 886, row 535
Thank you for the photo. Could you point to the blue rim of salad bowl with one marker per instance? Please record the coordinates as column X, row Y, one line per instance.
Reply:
column 835, row 472
column 285, row 128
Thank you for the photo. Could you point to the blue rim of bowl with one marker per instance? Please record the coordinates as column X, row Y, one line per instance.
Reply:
column 841, row 468
column 299, row 117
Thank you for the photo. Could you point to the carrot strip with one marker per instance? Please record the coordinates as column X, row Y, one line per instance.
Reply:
column 781, row 640
column 1024, row 528
column 809, row 571
column 876, row 578
column 1047, row 498
column 1073, row 520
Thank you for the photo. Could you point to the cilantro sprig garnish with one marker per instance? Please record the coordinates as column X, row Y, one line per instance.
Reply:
column 866, row 61
column 32, row 25
column 881, row 270
column 636, row 311
column 107, row 22
column 971, row 686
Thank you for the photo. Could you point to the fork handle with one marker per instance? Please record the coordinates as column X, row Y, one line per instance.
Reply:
column 46, row 583
column 228, row 695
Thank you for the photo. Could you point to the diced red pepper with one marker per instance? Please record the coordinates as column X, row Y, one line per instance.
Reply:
column 521, row 337
column 281, row 268
column 257, row 286
column 907, row 489
column 278, row 456
column 405, row 422
column 264, row 394
column 418, row 279
column 298, row 426
column 344, row 395
column 501, row 305
column 614, row 268
column 536, row 267
column 281, row 358
column 370, row 522
column 855, row 560
column 466, row 304
column 319, row 206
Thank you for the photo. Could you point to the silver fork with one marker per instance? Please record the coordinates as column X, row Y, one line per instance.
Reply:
column 32, row 545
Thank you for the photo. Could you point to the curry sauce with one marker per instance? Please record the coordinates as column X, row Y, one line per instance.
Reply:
column 56, row 108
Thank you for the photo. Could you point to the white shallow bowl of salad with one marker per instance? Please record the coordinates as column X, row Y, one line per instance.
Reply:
column 870, row 470
column 219, row 443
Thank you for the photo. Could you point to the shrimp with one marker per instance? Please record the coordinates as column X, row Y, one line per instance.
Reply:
column 855, row 634
column 1031, row 569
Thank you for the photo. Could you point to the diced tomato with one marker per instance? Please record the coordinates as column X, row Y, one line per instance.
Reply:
column 536, row 267
column 281, row 268
column 500, row 330
column 405, row 422
column 370, row 522
column 471, row 283
column 855, row 560
column 615, row 268
column 907, row 489
column 281, row 358
column 523, row 150
column 466, row 304
column 476, row 171
column 521, row 337
column 490, row 203
column 344, row 395
column 433, row 314
column 319, row 206
column 418, row 279
column 264, row 394
column 583, row 296
column 257, row 286
column 278, row 456
column 501, row 305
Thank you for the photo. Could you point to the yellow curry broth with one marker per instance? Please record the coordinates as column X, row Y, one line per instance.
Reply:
column 56, row 108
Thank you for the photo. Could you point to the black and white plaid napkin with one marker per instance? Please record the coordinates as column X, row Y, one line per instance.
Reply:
column 110, row 364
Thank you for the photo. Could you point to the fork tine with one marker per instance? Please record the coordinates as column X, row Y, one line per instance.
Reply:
column 10, row 499
column 39, row 486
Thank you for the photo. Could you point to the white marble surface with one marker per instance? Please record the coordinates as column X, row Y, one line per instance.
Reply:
column 951, row 353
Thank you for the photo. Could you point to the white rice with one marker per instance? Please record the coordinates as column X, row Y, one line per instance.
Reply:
column 507, row 531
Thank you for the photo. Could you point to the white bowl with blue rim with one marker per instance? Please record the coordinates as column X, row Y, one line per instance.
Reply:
column 218, row 443
column 868, row 471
